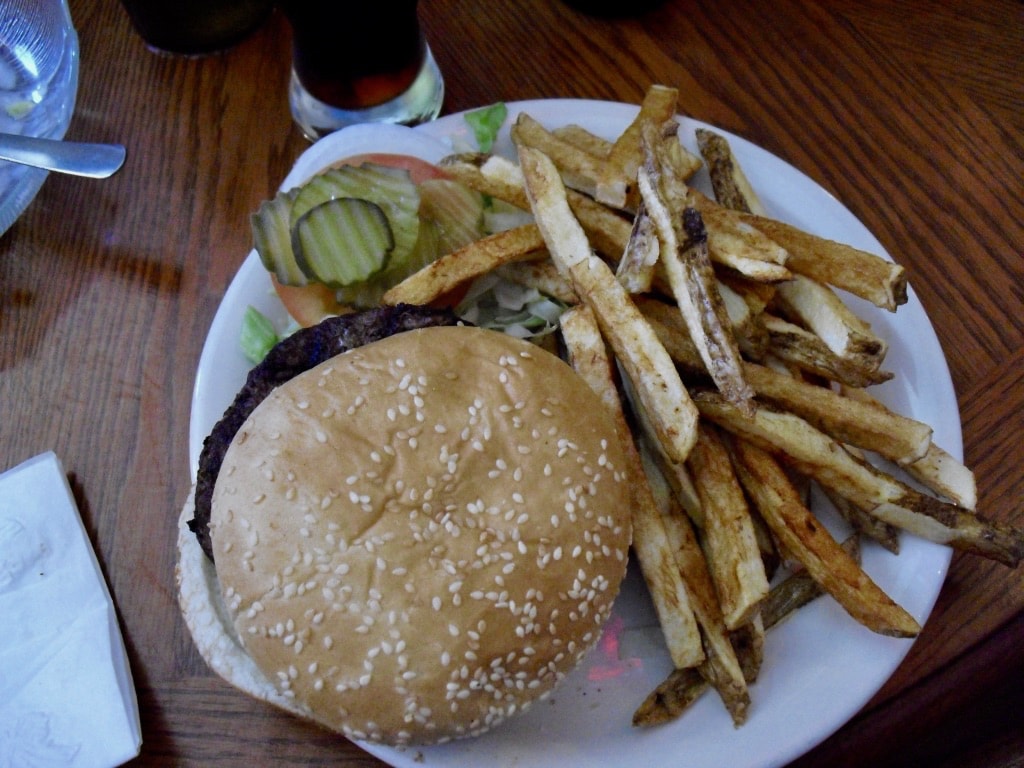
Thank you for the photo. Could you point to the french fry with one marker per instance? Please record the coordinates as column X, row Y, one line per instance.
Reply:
column 728, row 538
column 588, row 356
column 945, row 475
column 579, row 169
column 757, row 294
column 748, row 641
column 818, row 456
column 682, row 687
column 584, row 139
column 750, row 335
column 607, row 230
column 542, row 275
column 859, row 272
column 721, row 668
column 499, row 177
column 615, row 186
column 675, row 473
column 811, row 543
column 671, row 329
column 635, row 344
column 863, row 274
column 743, row 239
column 864, row 524
column 671, row 698
column 798, row 589
column 467, row 263
column 823, row 312
column 741, row 251
column 870, row 426
column 732, row 189
column 937, row 470
column 805, row 350
column 636, row 270
column 491, row 175
column 684, row 260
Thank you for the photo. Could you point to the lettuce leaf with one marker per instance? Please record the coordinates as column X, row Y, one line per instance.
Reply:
column 486, row 122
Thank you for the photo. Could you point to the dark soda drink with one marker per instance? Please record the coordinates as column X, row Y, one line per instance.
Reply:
column 365, row 62
column 195, row 27
column 355, row 55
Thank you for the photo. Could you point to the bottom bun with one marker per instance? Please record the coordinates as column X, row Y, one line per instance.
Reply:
column 414, row 540
column 208, row 622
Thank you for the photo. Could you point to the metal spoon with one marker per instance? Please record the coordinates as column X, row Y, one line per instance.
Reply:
column 95, row 161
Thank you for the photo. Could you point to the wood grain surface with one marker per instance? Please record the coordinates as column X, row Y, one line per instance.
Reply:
column 911, row 113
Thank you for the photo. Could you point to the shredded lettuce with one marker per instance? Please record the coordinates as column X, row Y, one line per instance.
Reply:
column 499, row 216
column 258, row 335
column 486, row 122
column 495, row 303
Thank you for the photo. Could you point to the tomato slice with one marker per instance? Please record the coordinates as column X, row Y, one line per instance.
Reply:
column 309, row 304
column 419, row 170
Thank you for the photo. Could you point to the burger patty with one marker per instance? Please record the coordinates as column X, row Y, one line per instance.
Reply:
column 299, row 352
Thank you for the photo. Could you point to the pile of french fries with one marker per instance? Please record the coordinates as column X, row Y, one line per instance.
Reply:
column 737, row 378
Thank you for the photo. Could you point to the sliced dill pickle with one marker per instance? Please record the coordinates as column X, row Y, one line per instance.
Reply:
column 342, row 241
column 390, row 188
column 272, row 239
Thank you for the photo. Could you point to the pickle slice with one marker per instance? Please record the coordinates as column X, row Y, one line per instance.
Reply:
column 271, row 236
column 390, row 188
column 342, row 241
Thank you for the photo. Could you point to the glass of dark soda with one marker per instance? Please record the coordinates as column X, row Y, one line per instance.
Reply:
column 195, row 27
column 360, row 62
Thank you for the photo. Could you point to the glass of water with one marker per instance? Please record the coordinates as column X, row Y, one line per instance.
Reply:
column 38, row 84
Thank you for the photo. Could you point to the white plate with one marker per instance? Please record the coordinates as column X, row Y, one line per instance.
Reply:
column 821, row 667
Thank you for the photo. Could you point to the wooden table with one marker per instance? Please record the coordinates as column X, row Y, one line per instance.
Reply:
column 911, row 113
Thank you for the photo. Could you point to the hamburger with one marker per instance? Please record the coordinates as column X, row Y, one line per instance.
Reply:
column 412, row 540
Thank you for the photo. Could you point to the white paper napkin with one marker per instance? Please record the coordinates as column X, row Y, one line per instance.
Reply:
column 66, row 692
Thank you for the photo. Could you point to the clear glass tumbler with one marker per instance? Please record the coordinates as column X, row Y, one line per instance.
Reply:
column 360, row 63
column 38, row 85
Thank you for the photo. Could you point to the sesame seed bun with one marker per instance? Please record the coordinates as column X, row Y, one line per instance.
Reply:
column 418, row 538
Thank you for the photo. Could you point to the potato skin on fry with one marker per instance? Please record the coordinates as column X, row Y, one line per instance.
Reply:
column 810, row 542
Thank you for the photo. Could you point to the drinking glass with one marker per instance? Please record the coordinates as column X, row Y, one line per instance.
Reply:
column 38, row 85
column 360, row 62
column 195, row 27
